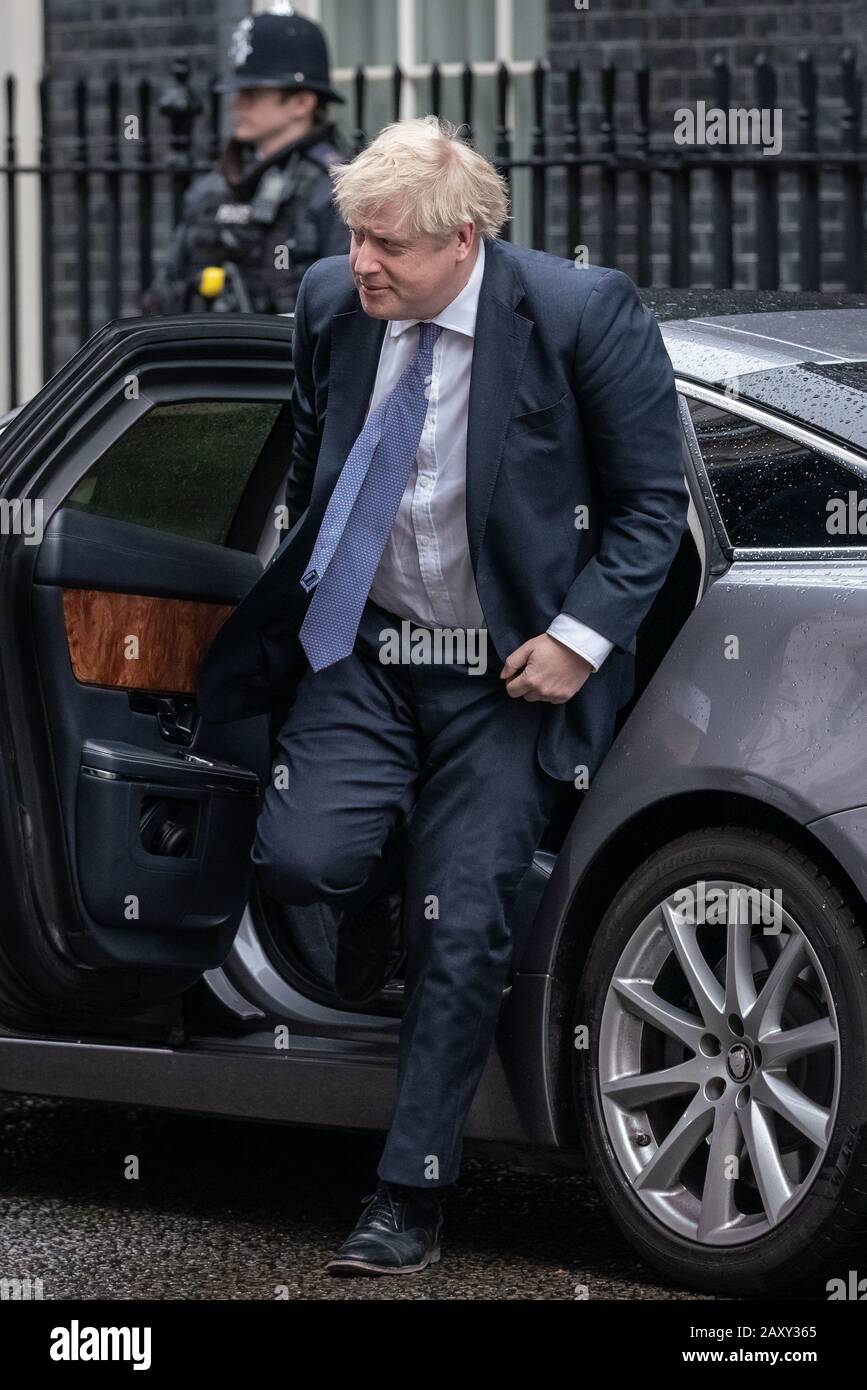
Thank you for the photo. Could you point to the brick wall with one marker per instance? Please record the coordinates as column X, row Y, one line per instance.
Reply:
column 678, row 39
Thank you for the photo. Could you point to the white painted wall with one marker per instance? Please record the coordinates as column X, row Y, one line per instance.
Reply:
column 22, row 49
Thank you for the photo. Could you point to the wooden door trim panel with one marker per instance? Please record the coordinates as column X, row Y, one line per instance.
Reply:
column 137, row 641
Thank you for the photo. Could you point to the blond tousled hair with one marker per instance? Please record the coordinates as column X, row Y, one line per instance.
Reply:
column 435, row 179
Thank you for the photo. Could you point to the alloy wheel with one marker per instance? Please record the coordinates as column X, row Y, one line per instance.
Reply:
column 719, row 1063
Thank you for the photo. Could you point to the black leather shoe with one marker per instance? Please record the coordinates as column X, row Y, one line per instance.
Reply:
column 369, row 948
column 395, row 1234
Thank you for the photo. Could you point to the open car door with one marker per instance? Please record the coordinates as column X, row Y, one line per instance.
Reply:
column 136, row 488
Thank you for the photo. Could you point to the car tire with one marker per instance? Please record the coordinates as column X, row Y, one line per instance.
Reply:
column 786, row 1114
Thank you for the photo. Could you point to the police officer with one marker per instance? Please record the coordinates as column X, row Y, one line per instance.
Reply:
column 250, row 228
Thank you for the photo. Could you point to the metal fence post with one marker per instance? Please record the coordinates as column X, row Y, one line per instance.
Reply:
column 608, row 170
column 767, row 181
column 643, row 206
column 808, row 176
column 11, row 241
column 852, row 174
column 180, row 105
column 722, row 208
column 81, row 165
column 573, row 152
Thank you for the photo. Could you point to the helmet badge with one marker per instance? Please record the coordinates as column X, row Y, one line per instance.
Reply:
column 240, row 47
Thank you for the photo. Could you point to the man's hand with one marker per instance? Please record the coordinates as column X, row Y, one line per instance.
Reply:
column 545, row 669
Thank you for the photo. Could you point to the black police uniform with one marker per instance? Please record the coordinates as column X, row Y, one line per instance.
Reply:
column 264, row 220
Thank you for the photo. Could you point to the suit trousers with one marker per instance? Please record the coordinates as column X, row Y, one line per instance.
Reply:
column 440, row 760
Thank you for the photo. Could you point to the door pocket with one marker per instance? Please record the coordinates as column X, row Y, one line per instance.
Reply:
column 163, row 838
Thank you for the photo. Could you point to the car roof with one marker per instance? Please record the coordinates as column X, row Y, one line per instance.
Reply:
column 711, row 347
column 803, row 353
column 798, row 354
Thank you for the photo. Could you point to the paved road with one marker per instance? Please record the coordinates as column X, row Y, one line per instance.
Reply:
column 225, row 1210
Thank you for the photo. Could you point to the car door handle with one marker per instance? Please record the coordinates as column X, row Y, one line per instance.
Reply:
column 177, row 716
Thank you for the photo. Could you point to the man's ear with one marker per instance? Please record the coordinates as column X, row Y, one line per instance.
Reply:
column 467, row 243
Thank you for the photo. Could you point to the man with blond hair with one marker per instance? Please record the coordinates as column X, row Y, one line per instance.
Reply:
column 486, row 439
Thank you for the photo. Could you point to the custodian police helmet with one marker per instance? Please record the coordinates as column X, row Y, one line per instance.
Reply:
column 280, row 48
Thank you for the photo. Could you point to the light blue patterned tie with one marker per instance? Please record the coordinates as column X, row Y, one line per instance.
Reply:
column 361, row 511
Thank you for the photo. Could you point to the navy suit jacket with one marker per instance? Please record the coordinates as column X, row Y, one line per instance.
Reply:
column 572, row 404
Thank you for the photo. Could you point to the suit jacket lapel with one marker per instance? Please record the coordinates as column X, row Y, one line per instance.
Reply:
column 499, row 350
column 356, row 340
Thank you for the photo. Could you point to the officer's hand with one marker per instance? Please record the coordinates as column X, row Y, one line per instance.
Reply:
column 545, row 669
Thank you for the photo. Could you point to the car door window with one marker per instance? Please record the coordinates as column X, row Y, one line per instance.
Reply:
column 181, row 468
column 775, row 491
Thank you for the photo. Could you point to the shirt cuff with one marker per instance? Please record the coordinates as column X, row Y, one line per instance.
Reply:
column 581, row 639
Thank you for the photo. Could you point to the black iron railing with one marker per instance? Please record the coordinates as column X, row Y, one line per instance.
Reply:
column 135, row 182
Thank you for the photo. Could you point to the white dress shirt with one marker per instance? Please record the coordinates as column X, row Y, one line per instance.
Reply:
column 425, row 573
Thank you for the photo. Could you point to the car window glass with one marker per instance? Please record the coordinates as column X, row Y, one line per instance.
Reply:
column 775, row 491
column 181, row 468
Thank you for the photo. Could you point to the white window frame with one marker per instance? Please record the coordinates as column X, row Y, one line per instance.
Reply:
column 414, row 72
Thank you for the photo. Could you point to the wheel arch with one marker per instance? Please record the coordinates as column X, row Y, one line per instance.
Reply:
column 655, row 825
